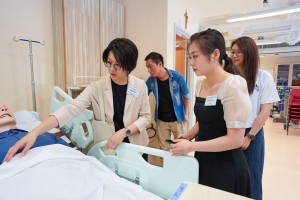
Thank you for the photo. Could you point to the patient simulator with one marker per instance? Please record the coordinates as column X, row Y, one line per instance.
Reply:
column 62, row 172
column 52, row 166
column 10, row 133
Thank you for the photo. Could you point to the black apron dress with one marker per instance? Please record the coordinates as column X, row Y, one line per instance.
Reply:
column 227, row 170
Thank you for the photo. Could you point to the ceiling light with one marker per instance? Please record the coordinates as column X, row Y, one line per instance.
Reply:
column 262, row 42
column 268, row 30
column 264, row 13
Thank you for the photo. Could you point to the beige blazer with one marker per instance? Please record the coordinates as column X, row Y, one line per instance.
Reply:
column 136, row 111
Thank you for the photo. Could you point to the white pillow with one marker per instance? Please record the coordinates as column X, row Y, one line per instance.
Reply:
column 26, row 120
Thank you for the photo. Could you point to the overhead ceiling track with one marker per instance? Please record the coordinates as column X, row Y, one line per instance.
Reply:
column 282, row 52
column 264, row 13
column 273, row 22
column 270, row 49
column 273, row 30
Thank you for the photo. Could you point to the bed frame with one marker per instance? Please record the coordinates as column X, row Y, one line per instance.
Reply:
column 74, row 129
column 128, row 162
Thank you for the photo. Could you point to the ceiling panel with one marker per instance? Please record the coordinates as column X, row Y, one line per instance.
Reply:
column 205, row 9
column 212, row 14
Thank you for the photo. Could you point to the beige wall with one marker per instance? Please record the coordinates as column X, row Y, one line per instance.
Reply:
column 30, row 19
column 145, row 24
column 176, row 11
column 150, row 25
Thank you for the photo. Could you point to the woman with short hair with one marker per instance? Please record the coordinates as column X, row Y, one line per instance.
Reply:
column 125, row 100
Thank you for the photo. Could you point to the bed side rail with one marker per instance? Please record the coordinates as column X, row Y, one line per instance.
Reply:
column 162, row 181
column 74, row 129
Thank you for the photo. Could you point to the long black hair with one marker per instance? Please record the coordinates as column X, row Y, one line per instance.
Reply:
column 209, row 40
column 251, row 60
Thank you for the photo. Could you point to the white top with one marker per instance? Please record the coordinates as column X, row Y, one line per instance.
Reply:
column 264, row 92
column 234, row 97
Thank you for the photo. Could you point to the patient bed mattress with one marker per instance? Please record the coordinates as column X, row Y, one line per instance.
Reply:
column 60, row 172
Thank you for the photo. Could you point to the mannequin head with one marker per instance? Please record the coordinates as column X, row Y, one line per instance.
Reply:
column 7, row 118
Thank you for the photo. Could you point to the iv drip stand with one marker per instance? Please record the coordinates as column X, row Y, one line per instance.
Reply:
column 31, row 66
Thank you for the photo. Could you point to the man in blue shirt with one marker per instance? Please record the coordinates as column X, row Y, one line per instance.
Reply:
column 9, row 134
column 172, row 99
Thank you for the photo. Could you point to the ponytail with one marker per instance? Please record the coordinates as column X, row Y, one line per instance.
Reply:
column 229, row 66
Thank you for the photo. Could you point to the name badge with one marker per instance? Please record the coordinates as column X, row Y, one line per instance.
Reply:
column 133, row 91
column 211, row 100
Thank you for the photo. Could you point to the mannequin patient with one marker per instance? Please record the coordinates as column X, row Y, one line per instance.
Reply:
column 10, row 134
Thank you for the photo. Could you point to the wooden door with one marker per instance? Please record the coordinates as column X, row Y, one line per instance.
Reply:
column 180, row 55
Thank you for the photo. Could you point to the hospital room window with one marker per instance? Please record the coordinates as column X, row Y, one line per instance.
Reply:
column 296, row 75
column 283, row 75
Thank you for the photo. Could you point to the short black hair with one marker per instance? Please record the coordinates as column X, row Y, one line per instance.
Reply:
column 156, row 57
column 125, row 53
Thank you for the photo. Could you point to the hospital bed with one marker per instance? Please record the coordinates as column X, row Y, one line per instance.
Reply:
column 60, row 172
column 128, row 162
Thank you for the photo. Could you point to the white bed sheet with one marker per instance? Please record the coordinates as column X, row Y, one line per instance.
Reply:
column 59, row 172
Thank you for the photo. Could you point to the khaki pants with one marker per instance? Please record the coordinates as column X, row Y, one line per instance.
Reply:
column 165, row 129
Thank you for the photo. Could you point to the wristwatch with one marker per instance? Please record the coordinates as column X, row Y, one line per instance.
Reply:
column 252, row 137
column 127, row 132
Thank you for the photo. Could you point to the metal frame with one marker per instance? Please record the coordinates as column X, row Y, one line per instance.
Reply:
column 31, row 66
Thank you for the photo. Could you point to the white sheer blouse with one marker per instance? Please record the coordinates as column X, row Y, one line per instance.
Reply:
column 235, row 99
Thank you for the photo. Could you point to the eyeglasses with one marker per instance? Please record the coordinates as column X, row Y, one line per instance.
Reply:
column 109, row 64
column 238, row 53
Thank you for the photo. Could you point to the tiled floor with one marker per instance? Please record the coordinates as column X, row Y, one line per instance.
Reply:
column 281, row 178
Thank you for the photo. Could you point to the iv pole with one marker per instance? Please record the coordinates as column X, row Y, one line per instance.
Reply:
column 31, row 66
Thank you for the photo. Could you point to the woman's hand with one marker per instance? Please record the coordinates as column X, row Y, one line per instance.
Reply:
column 246, row 143
column 183, row 136
column 181, row 147
column 26, row 143
column 115, row 140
